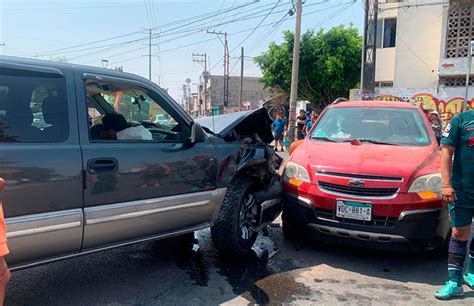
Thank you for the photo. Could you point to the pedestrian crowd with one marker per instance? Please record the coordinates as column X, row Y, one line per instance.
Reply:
column 304, row 123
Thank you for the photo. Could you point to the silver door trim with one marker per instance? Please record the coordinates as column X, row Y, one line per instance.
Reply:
column 143, row 212
column 37, row 237
column 142, row 208
column 44, row 229
column 42, row 223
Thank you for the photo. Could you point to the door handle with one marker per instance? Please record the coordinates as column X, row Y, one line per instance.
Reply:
column 102, row 165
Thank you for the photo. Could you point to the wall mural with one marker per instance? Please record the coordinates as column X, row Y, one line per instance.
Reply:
column 446, row 109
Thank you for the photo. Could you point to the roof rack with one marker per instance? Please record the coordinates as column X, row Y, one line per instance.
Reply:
column 339, row 100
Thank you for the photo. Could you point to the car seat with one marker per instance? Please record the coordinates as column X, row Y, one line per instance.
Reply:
column 55, row 113
column 18, row 121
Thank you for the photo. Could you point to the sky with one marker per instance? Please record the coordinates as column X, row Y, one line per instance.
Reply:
column 89, row 31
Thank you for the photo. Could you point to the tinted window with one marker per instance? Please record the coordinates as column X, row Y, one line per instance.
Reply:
column 389, row 32
column 33, row 107
column 389, row 125
column 386, row 33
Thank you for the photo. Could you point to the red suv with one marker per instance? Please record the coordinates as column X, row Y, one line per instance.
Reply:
column 368, row 173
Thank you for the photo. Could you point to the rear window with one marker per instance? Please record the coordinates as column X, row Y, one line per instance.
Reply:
column 33, row 107
column 395, row 126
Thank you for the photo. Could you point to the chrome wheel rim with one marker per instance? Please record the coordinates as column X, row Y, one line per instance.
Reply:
column 248, row 217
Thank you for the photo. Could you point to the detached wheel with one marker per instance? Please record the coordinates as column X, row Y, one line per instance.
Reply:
column 234, row 232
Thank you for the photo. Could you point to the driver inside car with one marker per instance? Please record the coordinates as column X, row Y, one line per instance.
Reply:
column 116, row 127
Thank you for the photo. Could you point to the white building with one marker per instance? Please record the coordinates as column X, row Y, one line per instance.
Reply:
column 422, row 52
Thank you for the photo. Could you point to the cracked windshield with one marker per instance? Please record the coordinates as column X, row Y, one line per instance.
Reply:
column 236, row 152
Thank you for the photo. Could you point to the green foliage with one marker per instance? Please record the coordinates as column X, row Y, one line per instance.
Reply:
column 330, row 63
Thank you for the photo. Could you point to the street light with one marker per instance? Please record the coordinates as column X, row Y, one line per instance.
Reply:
column 105, row 63
column 470, row 50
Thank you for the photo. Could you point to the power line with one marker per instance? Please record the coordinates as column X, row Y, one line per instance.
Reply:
column 214, row 18
column 52, row 52
column 309, row 13
column 258, row 25
column 122, row 44
column 68, row 8
column 199, row 17
column 413, row 5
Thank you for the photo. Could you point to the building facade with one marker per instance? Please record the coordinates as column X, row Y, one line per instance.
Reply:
column 422, row 53
column 253, row 93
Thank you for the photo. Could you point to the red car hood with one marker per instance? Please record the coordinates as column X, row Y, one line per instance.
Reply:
column 403, row 161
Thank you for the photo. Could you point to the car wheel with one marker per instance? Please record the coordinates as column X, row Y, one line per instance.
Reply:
column 291, row 231
column 235, row 229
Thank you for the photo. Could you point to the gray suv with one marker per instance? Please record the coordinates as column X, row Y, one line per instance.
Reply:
column 72, row 190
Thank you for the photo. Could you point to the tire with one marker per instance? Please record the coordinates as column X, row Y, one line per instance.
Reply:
column 290, row 230
column 230, row 233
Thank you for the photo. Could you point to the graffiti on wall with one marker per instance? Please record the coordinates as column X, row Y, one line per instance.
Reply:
column 446, row 109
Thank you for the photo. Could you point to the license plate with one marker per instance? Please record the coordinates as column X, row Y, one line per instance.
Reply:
column 354, row 210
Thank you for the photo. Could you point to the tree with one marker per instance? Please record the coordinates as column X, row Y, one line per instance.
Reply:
column 330, row 63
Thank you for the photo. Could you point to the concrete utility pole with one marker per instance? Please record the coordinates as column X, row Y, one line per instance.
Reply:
column 149, row 56
column 202, row 59
column 369, row 49
column 294, row 73
column 226, row 65
column 241, row 94
column 468, row 74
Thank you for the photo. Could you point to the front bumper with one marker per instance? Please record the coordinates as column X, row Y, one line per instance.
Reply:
column 420, row 229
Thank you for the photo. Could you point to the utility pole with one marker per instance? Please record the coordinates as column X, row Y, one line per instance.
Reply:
column 241, row 95
column 468, row 74
column 369, row 49
column 202, row 59
column 185, row 98
column 226, row 65
column 149, row 56
column 294, row 73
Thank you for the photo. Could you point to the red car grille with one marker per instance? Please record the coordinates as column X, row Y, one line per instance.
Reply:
column 357, row 191
column 361, row 176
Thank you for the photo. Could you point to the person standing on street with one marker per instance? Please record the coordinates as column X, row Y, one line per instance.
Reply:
column 4, row 272
column 436, row 124
column 458, row 194
column 279, row 128
column 300, row 124
column 309, row 124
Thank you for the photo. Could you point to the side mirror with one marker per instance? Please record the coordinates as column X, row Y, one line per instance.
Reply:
column 197, row 134
column 294, row 145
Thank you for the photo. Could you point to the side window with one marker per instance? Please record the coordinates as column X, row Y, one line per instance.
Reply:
column 33, row 107
column 120, row 111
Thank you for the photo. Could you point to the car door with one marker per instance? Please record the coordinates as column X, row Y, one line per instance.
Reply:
column 40, row 161
column 137, row 188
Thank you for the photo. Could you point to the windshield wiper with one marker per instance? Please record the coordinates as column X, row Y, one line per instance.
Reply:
column 377, row 142
column 324, row 139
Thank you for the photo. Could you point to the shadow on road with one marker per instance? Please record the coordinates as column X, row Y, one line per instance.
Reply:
column 191, row 272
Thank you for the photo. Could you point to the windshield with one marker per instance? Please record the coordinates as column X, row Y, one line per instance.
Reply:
column 394, row 126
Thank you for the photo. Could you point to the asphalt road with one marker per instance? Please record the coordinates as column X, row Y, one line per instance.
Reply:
column 278, row 271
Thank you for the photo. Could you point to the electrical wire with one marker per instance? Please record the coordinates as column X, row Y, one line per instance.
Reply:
column 123, row 44
column 258, row 25
column 199, row 17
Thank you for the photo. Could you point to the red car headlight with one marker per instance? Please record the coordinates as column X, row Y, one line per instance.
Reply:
column 295, row 174
column 427, row 186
